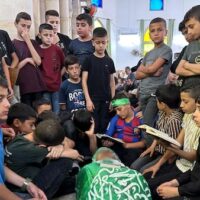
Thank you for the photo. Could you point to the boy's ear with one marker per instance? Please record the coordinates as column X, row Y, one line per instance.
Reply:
column 39, row 35
column 16, row 123
column 92, row 42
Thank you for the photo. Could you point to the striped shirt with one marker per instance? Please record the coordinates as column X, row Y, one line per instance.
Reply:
column 169, row 124
column 191, row 141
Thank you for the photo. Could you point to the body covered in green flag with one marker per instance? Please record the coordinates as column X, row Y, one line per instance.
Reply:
column 106, row 178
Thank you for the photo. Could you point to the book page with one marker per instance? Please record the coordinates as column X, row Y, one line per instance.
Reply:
column 159, row 134
column 107, row 137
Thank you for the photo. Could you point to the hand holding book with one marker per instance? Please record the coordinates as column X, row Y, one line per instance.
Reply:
column 166, row 139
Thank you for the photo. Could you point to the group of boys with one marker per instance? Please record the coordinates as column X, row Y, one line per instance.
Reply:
column 43, row 66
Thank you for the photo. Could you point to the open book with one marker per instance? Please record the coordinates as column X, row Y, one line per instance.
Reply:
column 159, row 134
column 107, row 137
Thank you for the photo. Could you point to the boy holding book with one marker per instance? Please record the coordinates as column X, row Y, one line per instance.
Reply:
column 188, row 138
column 169, row 122
column 124, row 126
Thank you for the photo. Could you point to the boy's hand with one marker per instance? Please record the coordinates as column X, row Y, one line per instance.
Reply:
column 8, row 133
column 154, row 169
column 90, row 106
column 10, row 93
column 90, row 132
column 168, row 192
column 149, row 151
column 159, row 72
column 55, row 152
column 74, row 154
column 35, row 192
column 31, row 61
column 107, row 143
column 139, row 115
column 172, row 183
column 25, row 35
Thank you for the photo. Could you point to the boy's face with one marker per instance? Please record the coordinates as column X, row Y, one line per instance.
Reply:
column 157, row 32
column 26, row 126
column 193, row 28
column 100, row 44
column 54, row 21
column 123, row 111
column 4, row 104
column 47, row 37
column 196, row 115
column 188, row 37
column 23, row 26
column 187, row 103
column 83, row 28
column 74, row 71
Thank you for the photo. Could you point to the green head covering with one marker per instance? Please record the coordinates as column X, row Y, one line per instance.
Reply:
column 120, row 102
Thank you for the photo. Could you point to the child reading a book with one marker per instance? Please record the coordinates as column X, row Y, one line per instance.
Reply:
column 169, row 122
column 188, row 138
column 124, row 126
column 187, row 184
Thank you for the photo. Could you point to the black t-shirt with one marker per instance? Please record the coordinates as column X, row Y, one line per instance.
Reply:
column 63, row 43
column 2, row 54
column 82, row 144
column 99, row 71
column 7, row 46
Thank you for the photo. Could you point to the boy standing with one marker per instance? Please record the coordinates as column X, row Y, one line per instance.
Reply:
column 52, row 17
column 29, row 78
column 82, row 46
column 71, row 92
column 189, row 67
column 52, row 62
column 10, row 59
column 98, row 80
column 154, row 70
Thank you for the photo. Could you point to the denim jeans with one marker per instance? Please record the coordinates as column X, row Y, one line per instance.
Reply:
column 54, row 178
column 53, row 97
column 149, row 111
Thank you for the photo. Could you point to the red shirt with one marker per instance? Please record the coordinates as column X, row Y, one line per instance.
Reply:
column 52, row 62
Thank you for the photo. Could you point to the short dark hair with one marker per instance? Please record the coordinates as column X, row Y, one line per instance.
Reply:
column 85, row 17
column 40, row 102
column 120, row 95
column 51, row 13
column 198, row 100
column 169, row 94
column 22, row 15
column 192, row 89
column 99, row 32
column 47, row 114
column 49, row 132
column 71, row 60
column 45, row 26
column 3, row 82
column 157, row 20
column 194, row 12
column 181, row 26
column 21, row 112
column 82, row 120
